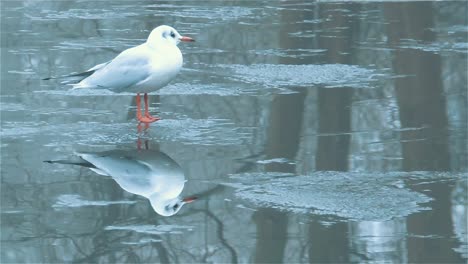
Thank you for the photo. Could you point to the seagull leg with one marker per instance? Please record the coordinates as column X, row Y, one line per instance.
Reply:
column 139, row 143
column 139, row 139
column 138, row 106
column 147, row 114
column 147, row 118
column 141, row 132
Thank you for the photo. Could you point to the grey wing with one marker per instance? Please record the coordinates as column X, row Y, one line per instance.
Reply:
column 127, row 69
column 97, row 67
column 130, row 174
column 118, row 166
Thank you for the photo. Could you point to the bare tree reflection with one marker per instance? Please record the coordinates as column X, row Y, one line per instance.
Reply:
column 284, row 128
column 49, row 43
column 334, row 106
column 422, row 104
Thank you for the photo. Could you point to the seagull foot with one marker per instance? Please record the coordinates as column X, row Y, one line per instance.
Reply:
column 147, row 119
column 155, row 118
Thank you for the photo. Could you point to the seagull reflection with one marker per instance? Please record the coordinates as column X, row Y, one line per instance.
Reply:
column 149, row 173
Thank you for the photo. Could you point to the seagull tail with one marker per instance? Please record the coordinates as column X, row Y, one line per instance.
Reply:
column 81, row 163
column 73, row 77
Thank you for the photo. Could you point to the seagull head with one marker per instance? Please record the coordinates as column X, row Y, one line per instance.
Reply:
column 170, row 206
column 166, row 34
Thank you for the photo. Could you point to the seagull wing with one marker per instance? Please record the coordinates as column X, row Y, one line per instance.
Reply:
column 117, row 164
column 127, row 69
column 77, row 77
column 132, row 175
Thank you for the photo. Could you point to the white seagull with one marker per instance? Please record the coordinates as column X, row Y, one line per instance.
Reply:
column 148, row 173
column 145, row 68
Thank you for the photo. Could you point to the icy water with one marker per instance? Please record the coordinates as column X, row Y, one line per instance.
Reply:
column 310, row 132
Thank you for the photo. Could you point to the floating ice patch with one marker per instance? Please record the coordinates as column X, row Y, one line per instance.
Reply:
column 69, row 91
column 74, row 200
column 153, row 229
column 120, row 43
column 199, row 50
column 329, row 75
column 424, row 177
column 289, row 53
column 304, row 34
column 220, row 13
column 451, row 29
column 203, row 89
column 435, row 47
column 115, row 13
column 277, row 160
column 11, row 212
column 79, row 131
column 143, row 241
column 459, row 213
column 355, row 196
column 11, row 107
column 25, row 72
column 202, row 131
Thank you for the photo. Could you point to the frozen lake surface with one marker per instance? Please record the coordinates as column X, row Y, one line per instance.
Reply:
column 310, row 132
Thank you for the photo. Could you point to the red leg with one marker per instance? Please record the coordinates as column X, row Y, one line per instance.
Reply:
column 147, row 118
column 139, row 124
column 138, row 106
column 147, row 114
column 140, row 130
column 139, row 143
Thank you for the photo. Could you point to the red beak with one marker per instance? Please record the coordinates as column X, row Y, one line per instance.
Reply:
column 187, row 39
column 189, row 199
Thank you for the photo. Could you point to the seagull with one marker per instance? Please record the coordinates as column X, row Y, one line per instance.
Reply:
column 148, row 173
column 142, row 69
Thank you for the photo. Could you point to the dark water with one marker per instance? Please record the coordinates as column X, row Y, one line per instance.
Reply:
column 311, row 132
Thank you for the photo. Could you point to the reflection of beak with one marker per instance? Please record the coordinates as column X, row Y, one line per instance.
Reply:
column 189, row 199
column 186, row 39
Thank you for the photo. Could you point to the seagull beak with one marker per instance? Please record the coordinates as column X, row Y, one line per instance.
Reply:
column 186, row 39
column 189, row 199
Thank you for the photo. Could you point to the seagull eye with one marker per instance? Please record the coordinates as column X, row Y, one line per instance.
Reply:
column 173, row 34
column 176, row 206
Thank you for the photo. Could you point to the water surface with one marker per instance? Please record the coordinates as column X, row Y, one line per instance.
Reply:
column 311, row 132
